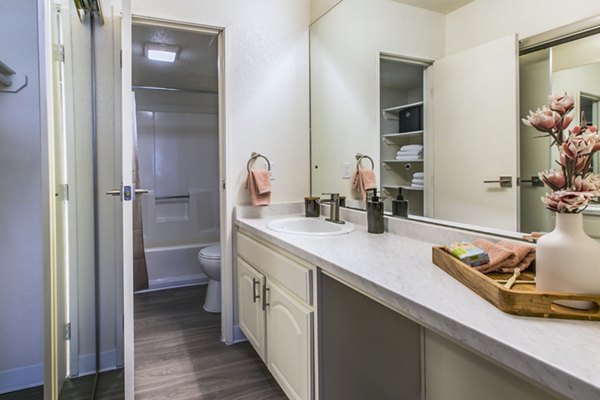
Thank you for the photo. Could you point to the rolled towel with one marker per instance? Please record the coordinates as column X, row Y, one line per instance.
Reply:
column 418, row 181
column 418, row 175
column 410, row 147
column 258, row 185
column 417, row 185
column 498, row 256
column 525, row 255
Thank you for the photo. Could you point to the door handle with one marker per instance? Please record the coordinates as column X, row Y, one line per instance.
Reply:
column 255, row 296
column 265, row 302
column 535, row 181
column 504, row 181
column 127, row 192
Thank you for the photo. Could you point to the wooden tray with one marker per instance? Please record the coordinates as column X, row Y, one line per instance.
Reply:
column 521, row 299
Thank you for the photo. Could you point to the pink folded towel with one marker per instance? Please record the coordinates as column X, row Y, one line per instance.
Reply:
column 505, row 256
column 258, row 185
column 364, row 179
column 525, row 255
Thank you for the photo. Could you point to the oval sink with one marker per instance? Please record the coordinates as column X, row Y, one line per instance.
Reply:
column 309, row 226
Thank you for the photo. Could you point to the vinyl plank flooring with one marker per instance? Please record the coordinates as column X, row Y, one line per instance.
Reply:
column 179, row 354
column 35, row 393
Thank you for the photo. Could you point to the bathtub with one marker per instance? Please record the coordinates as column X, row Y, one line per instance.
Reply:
column 174, row 266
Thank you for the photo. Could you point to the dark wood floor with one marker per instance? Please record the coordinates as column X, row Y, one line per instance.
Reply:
column 179, row 354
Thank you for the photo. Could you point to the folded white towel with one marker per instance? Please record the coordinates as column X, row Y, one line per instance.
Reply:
column 418, row 181
column 408, row 147
column 408, row 158
column 409, row 153
column 416, row 185
column 419, row 175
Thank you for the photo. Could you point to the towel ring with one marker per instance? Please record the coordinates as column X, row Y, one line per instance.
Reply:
column 359, row 158
column 253, row 157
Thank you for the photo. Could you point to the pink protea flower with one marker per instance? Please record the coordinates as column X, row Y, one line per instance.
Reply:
column 542, row 119
column 561, row 103
column 590, row 184
column 574, row 187
column 577, row 146
column 567, row 201
column 567, row 119
column 553, row 178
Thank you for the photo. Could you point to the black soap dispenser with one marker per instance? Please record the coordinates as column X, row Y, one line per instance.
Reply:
column 374, row 213
column 399, row 205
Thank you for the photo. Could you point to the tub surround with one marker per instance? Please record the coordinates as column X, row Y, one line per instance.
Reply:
column 395, row 269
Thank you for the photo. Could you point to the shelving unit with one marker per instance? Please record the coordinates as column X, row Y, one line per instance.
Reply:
column 401, row 89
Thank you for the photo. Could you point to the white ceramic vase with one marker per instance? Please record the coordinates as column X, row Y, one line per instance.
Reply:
column 568, row 260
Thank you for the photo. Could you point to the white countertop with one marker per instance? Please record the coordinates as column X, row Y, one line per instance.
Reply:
column 563, row 355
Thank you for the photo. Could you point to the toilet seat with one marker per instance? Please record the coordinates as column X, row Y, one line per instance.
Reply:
column 211, row 252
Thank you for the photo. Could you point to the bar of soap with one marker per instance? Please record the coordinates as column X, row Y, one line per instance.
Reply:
column 468, row 253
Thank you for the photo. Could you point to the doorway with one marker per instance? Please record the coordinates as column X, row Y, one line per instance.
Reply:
column 177, row 148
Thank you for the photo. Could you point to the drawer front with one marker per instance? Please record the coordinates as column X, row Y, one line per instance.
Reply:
column 294, row 276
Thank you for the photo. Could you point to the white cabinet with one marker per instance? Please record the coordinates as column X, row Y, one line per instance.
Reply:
column 277, row 311
column 251, row 283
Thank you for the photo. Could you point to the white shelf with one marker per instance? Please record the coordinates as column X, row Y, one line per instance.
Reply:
column 393, row 112
column 401, row 161
column 404, row 187
column 402, row 134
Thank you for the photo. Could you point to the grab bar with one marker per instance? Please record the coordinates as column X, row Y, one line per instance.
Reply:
column 183, row 196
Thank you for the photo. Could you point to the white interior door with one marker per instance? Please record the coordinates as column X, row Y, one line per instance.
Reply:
column 128, row 192
column 475, row 139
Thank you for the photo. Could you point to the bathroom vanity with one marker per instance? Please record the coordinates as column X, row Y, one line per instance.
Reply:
column 370, row 315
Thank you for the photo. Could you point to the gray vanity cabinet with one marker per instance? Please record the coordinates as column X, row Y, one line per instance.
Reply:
column 277, row 312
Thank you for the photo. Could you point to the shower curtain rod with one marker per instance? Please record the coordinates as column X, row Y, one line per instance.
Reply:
column 166, row 89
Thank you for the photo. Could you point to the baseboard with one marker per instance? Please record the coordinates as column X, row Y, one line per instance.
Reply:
column 87, row 363
column 21, row 378
column 238, row 335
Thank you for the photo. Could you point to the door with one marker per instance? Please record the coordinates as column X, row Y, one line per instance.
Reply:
column 127, row 194
column 289, row 342
column 250, row 298
column 475, row 134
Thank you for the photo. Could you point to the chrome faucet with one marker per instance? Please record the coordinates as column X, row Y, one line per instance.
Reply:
column 334, row 208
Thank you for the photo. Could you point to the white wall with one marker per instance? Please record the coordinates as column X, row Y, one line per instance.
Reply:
column 267, row 83
column 484, row 20
column 345, row 48
column 320, row 7
column 21, row 269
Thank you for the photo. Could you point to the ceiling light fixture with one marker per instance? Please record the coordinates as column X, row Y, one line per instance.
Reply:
column 160, row 52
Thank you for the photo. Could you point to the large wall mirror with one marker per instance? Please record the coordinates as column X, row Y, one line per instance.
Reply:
column 468, row 159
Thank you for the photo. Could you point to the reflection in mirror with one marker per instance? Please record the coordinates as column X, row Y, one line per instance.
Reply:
column 473, row 99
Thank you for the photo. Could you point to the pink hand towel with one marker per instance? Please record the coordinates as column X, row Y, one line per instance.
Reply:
column 525, row 255
column 498, row 256
column 258, row 185
column 364, row 179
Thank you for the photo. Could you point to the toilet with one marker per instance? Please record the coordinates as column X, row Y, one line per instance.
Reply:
column 210, row 262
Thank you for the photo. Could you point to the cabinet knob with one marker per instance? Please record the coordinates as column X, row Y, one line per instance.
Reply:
column 255, row 295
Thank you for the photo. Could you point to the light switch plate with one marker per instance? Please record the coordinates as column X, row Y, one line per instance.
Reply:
column 346, row 170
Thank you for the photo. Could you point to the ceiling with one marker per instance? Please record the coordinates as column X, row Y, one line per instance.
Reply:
column 195, row 67
column 441, row 6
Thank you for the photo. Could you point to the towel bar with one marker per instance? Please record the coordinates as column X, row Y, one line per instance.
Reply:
column 359, row 158
column 253, row 157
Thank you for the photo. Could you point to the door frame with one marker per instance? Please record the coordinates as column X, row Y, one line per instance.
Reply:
column 225, row 201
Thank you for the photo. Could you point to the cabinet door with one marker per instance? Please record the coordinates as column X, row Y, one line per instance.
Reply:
column 289, row 342
column 250, row 302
